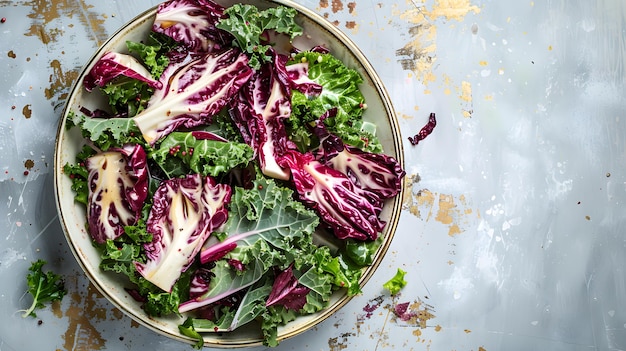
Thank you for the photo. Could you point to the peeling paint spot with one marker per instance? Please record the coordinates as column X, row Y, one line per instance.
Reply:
column 340, row 343
column 81, row 333
column 26, row 111
column 44, row 13
column 450, row 210
column 11, row 54
column 351, row 7
column 60, row 81
column 336, row 6
column 466, row 91
column 446, row 208
column 419, row 54
column 452, row 9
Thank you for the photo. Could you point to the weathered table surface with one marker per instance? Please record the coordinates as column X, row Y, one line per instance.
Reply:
column 513, row 228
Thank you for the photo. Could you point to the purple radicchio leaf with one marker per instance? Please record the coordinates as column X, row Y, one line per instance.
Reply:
column 403, row 312
column 287, row 291
column 296, row 76
column 204, row 135
column 200, row 281
column 184, row 213
column 236, row 264
column 192, row 23
column 112, row 65
column 378, row 173
column 118, row 186
column 259, row 112
column 348, row 210
column 193, row 92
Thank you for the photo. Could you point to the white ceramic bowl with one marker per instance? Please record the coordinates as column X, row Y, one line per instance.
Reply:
column 72, row 216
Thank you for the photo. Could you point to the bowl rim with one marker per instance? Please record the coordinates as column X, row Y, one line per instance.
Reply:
column 396, row 203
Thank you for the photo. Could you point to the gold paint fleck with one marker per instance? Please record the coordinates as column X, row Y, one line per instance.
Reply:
column 452, row 211
column 417, row 332
column 56, row 309
column 11, row 54
column 26, row 111
column 351, row 7
column 466, row 91
column 29, row 164
column 437, row 328
column 467, row 331
column 489, row 97
column 588, row 218
column 452, row 9
column 418, row 55
column 454, row 230
column 336, row 6
column 550, row 48
column 45, row 12
column 81, row 333
column 324, row 4
column 39, row 31
column 406, row 116
column 60, row 81
column 483, row 63
column 446, row 206
column 339, row 343
column 482, row 349
column 351, row 25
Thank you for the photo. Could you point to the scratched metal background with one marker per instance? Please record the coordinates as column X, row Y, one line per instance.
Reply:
column 513, row 224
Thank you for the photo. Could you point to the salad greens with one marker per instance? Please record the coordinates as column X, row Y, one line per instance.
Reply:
column 43, row 286
column 395, row 284
column 251, row 27
column 223, row 162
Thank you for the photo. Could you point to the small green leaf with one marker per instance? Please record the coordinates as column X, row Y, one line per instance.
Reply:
column 249, row 26
column 395, row 284
column 187, row 329
column 181, row 153
column 43, row 286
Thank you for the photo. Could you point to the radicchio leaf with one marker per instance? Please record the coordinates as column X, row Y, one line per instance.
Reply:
column 296, row 76
column 260, row 110
column 112, row 65
column 192, row 92
column 378, row 173
column 192, row 23
column 287, row 291
column 118, row 186
column 350, row 211
column 265, row 224
column 184, row 213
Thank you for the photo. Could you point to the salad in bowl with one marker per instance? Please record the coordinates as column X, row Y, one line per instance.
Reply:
column 229, row 174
